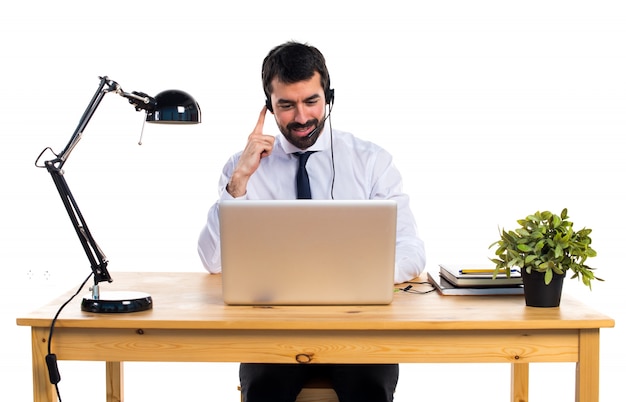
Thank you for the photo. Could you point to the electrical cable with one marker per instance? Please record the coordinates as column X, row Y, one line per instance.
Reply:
column 409, row 288
column 51, row 358
column 332, row 157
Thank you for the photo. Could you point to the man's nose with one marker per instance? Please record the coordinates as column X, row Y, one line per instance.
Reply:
column 301, row 116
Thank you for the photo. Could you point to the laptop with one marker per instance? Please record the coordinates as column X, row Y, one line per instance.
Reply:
column 308, row 252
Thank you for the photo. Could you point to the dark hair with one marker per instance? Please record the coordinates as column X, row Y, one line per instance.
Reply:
column 294, row 62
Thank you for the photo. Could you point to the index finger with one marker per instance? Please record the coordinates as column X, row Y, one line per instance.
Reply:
column 258, row 129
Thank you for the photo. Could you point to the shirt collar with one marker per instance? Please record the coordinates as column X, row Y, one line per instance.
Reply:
column 322, row 143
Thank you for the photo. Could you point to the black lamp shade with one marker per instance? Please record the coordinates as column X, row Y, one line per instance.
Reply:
column 175, row 107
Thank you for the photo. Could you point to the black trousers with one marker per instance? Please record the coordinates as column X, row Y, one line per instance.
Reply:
column 352, row 382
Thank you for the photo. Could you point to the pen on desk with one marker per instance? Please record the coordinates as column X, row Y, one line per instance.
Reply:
column 480, row 271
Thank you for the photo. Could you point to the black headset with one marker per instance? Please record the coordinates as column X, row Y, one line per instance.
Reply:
column 329, row 94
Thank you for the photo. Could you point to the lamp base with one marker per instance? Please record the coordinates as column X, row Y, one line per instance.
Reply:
column 117, row 302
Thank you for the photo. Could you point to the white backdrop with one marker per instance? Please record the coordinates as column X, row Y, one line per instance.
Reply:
column 492, row 109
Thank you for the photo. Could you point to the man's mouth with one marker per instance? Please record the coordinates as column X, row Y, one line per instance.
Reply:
column 302, row 129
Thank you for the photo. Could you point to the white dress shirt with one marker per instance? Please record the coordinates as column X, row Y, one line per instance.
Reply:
column 361, row 170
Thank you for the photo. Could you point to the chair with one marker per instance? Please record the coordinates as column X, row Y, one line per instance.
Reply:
column 316, row 390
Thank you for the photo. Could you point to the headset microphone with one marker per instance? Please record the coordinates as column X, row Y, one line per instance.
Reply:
column 330, row 101
column 319, row 126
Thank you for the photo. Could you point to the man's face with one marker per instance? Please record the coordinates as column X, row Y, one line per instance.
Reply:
column 299, row 109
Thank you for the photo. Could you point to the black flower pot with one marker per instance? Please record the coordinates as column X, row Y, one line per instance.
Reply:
column 537, row 293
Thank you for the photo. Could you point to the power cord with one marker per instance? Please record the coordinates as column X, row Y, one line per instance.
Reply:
column 51, row 358
column 409, row 288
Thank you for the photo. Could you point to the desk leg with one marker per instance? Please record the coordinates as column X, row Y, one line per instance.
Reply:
column 43, row 390
column 115, row 381
column 588, row 366
column 519, row 382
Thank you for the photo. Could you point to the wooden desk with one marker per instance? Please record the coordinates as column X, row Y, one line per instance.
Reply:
column 190, row 323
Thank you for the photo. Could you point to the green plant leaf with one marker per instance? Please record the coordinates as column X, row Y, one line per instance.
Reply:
column 529, row 258
column 544, row 216
column 558, row 251
column 548, row 277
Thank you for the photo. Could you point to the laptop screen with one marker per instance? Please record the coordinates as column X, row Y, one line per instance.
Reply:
column 308, row 251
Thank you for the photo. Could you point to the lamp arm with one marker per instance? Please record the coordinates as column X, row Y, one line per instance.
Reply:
column 59, row 161
column 139, row 100
column 96, row 257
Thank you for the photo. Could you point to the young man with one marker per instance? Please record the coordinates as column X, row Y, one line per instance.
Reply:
column 297, row 87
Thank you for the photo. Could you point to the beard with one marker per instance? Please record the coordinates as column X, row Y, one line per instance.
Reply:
column 302, row 142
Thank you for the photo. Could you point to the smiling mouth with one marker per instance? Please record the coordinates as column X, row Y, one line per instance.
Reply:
column 303, row 130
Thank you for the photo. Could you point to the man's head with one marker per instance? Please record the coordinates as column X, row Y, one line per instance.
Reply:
column 297, row 86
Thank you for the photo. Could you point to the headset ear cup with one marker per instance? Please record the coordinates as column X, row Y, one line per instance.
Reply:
column 268, row 104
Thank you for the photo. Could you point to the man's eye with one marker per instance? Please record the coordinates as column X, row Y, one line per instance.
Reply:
column 285, row 107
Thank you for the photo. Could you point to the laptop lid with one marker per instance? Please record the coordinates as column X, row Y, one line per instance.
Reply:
column 308, row 252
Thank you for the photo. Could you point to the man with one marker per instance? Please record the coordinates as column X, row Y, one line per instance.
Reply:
column 298, row 94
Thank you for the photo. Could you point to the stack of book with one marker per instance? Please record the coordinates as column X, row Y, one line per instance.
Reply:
column 466, row 280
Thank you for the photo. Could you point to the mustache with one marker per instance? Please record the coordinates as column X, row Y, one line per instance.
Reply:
column 297, row 126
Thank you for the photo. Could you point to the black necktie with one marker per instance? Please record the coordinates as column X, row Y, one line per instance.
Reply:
column 302, row 177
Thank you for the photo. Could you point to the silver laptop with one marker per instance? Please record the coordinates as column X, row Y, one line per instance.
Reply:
column 308, row 252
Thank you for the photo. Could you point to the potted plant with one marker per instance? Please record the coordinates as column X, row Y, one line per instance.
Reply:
column 545, row 246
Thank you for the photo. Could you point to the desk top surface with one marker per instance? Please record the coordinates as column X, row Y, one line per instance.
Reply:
column 193, row 300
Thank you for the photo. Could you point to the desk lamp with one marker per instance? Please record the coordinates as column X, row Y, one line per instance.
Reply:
column 171, row 106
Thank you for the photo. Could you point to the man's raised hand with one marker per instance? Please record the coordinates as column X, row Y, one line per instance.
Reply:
column 258, row 147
